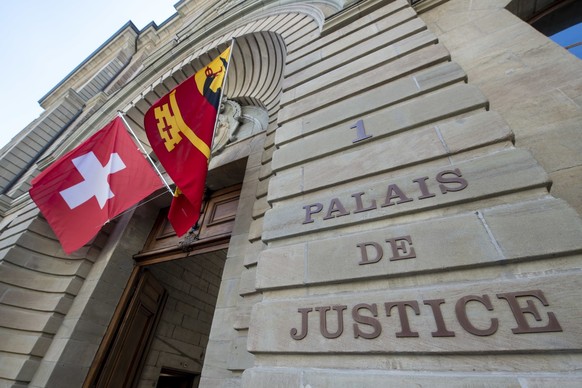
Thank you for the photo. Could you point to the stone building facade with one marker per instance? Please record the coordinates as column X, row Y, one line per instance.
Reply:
column 394, row 199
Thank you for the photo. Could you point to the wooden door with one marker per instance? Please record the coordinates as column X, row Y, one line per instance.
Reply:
column 122, row 362
column 215, row 227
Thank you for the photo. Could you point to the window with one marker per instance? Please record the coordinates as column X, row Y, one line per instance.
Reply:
column 561, row 21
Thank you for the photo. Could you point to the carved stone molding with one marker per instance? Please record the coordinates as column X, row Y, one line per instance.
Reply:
column 228, row 124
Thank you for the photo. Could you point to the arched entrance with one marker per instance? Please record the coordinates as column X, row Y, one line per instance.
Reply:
column 175, row 349
column 187, row 271
column 162, row 324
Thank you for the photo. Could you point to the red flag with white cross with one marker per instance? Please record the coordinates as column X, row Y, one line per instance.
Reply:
column 92, row 184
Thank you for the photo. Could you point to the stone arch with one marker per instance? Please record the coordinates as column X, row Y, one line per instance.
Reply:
column 255, row 76
column 262, row 42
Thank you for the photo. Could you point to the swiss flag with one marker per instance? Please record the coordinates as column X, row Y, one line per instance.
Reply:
column 92, row 184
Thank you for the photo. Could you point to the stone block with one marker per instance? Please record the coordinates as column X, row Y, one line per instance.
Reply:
column 558, row 146
column 265, row 376
column 385, row 31
column 17, row 367
column 256, row 230
column 243, row 314
column 331, row 37
column 25, row 221
column 215, row 362
column 242, row 321
column 262, row 188
column 41, row 376
column 297, row 27
column 552, row 226
column 252, row 254
column 462, row 241
column 26, row 343
column 265, row 171
column 193, row 324
column 98, row 311
column 519, row 86
column 186, row 344
column 149, row 376
column 64, row 375
column 342, row 378
column 324, row 93
column 467, row 317
column 374, row 157
column 50, row 246
column 567, row 184
column 247, row 281
column 71, row 352
column 228, row 295
column 352, row 378
column 29, row 320
column 574, row 91
column 232, row 268
column 496, row 174
column 421, row 110
column 271, row 377
column 238, row 243
column 384, row 61
column 281, row 267
column 371, row 158
column 269, row 141
column 476, row 130
column 43, row 263
column 299, row 45
column 267, row 155
column 553, row 380
column 239, row 358
column 35, row 300
column 260, row 207
column 288, row 181
column 463, row 133
column 540, row 113
column 426, row 247
column 271, row 128
column 243, row 215
column 290, row 131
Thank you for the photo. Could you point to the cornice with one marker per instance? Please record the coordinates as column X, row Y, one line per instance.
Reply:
column 199, row 41
column 123, row 39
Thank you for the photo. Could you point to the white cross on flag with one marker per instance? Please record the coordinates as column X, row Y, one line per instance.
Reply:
column 92, row 184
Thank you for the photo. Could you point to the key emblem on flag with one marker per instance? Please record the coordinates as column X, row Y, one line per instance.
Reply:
column 168, row 125
column 171, row 125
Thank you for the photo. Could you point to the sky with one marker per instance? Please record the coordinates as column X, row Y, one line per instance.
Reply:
column 570, row 37
column 44, row 40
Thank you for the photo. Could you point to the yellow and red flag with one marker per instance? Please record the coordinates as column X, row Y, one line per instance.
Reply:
column 183, row 214
column 180, row 127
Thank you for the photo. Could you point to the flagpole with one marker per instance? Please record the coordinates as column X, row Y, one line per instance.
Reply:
column 145, row 152
column 220, row 98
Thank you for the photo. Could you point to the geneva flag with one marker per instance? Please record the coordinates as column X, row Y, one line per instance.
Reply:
column 92, row 184
column 180, row 127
